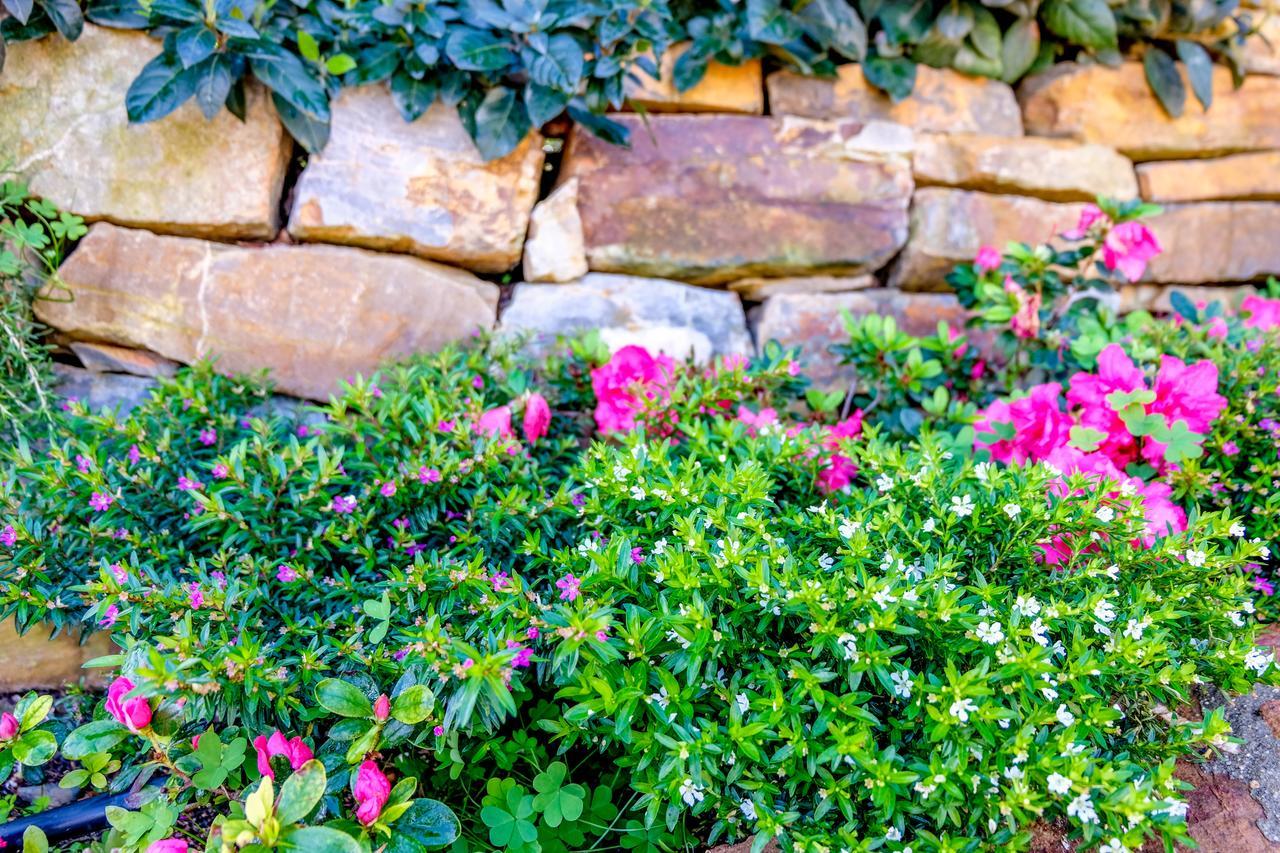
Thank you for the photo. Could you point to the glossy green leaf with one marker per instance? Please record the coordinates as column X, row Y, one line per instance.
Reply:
column 427, row 825
column 342, row 698
column 161, row 87
column 1088, row 23
column 301, row 792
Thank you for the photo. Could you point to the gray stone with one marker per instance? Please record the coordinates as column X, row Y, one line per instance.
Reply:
column 421, row 188
column 64, row 129
column 659, row 315
column 118, row 392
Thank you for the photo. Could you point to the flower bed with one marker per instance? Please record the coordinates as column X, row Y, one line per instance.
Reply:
column 613, row 600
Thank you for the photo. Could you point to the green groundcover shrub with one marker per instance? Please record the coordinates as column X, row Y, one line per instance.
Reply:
column 714, row 625
column 510, row 65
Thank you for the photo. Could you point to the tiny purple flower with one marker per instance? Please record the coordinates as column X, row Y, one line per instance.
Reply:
column 197, row 597
column 532, row 633
column 1230, row 448
column 569, row 587
column 500, row 581
column 428, row 475
column 523, row 655
column 344, row 504
column 445, row 426
column 477, row 382
column 286, row 573
column 100, row 501
column 602, row 636
column 135, row 454
column 208, row 436
column 109, row 617
column 221, row 472
column 388, row 489
column 579, row 500
column 84, row 464
column 8, row 536
column 119, row 573
column 438, row 731
column 637, row 555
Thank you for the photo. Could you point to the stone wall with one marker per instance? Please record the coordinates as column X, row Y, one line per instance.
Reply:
column 782, row 198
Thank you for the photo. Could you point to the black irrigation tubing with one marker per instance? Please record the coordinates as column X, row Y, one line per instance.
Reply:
column 83, row 817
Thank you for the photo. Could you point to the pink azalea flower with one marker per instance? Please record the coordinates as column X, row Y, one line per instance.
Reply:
column 1163, row 516
column 1262, row 313
column 1091, row 215
column 382, row 708
column 569, row 587
column 1128, row 247
column 8, row 536
column 1188, row 394
column 626, row 384
column 294, row 750
column 1040, row 425
column 836, row 474
column 134, row 712
column 286, row 573
column 850, row 427
column 168, row 845
column 537, row 418
column 1025, row 323
column 987, row 259
column 372, row 789
column 8, row 727
column 100, row 501
column 1216, row 328
column 985, row 436
column 496, row 423
column 1115, row 373
column 755, row 421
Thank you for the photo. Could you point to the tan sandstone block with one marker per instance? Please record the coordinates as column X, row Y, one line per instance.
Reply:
column 37, row 661
column 944, row 101
column 1216, row 242
column 722, row 89
column 63, row 127
column 1254, row 176
column 1115, row 107
column 555, row 250
column 313, row 315
column 1052, row 169
column 418, row 187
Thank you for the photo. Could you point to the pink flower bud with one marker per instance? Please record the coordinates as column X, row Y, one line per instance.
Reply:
column 371, row 792
column 135, row 713
column 382, row 708
column 168, row 845
column 537, row 418
column 8, row 727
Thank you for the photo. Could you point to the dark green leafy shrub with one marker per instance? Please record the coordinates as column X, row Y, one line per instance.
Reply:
column 510, row 65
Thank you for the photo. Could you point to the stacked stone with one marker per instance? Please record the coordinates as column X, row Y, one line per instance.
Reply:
column 836, row 200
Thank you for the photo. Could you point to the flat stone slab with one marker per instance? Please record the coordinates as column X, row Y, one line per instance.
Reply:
column 660, row 315
column 65, row 130
column 1216, row 242
column 813, row 322
column 713, row 198
column 420, row 188
column 1052, row 169
column 949, row 226
column 107, row 358
column 118, row 392
column 313, row 315
column 1115, row 107
column 37, row 661
column 760, row 289
column 1253, row 176
column 944, row 101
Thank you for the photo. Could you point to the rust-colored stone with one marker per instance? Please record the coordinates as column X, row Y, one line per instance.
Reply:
column 722, row 89
column 419, row 187
column 64, row 129
column 1115, row 107
column 944, row 101
column 313, row 315
column 38, row 661
column 713, row 198
column 1221, row 813
column 814, row 322
column 1254, row 176
column 949, row 226
column 1053, row 169
column 1270, row 713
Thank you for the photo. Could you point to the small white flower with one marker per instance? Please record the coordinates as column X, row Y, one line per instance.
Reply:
column 883, row 598
column 1081, row 808
column 1026, row 605
column 826, row 561
column 848, row 528
column 1113, row 846
column 1236, row 618
column 1113, row 571
column 1064, row 715
column 637, row 493
column 1237, row 530
column 1258, row 660
column 661, row 698
column 742, row 702
column 901, row 683
column 1104, row 611
column 849, row 645
column 962, row 506
column 1175, row 808
column 990, row 632
column 690, row 793
column 1039, row 633
column 893, row 834
column 983, row 470
column 1135, row 627
column 962, row 708
column 1058, row 784
column 1105, row 514
column 1196, row 558
column 1012, row 510
column 884, row 483
column 660, row 547
column 929, row 525
column 748, row 809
